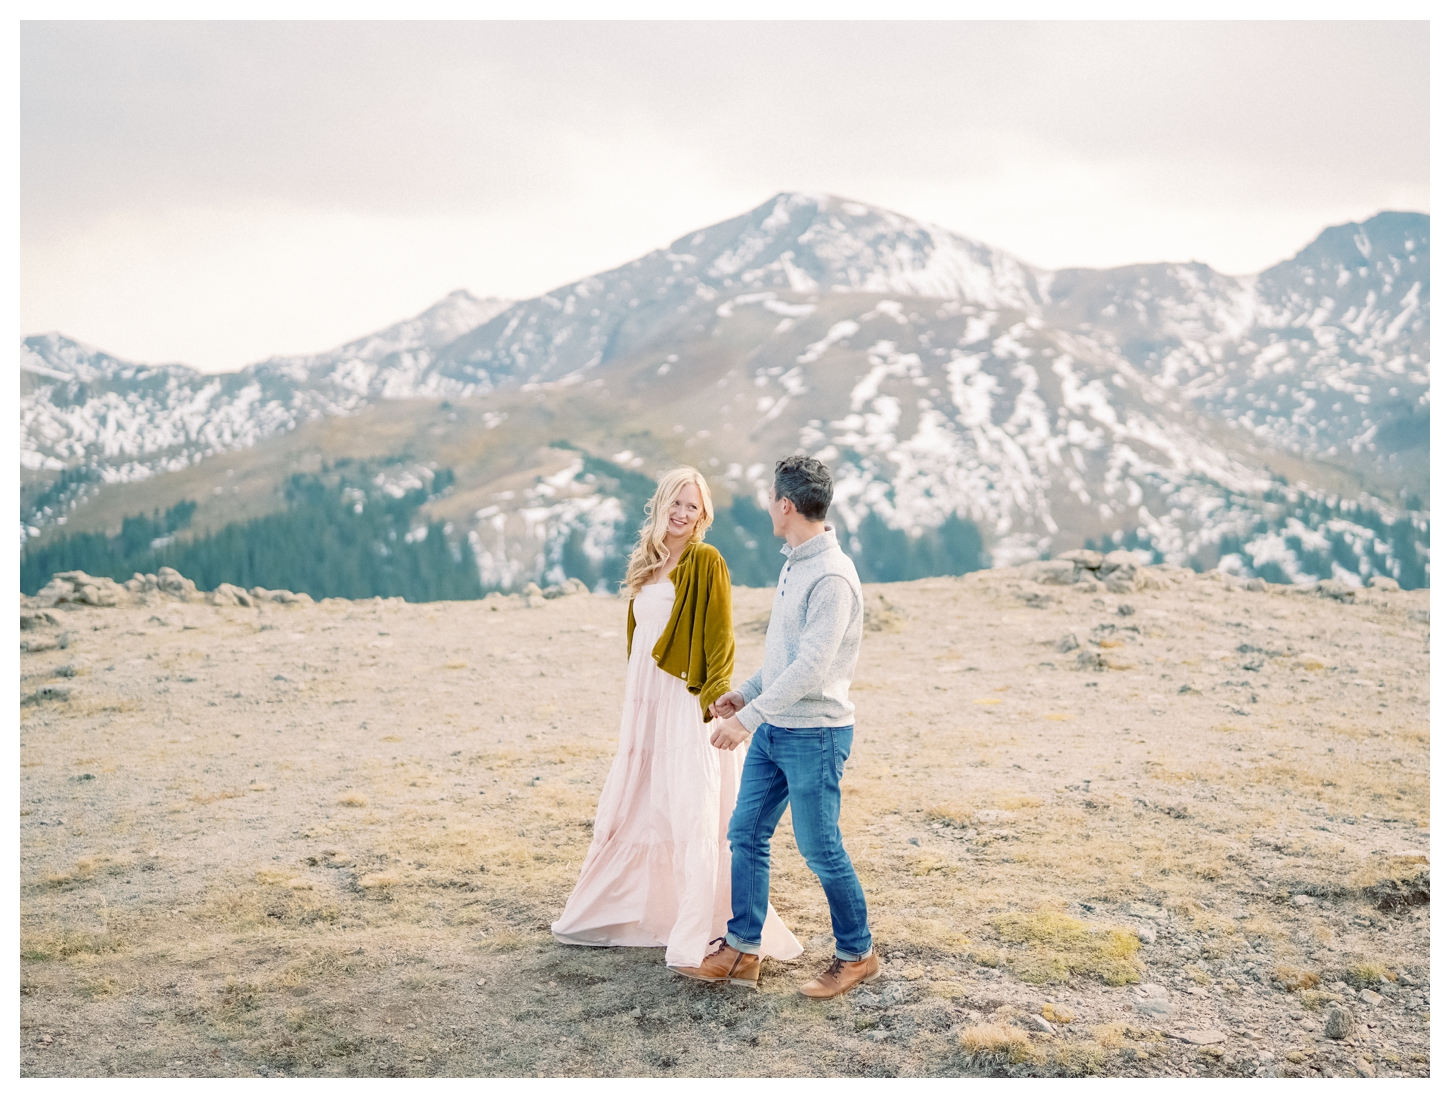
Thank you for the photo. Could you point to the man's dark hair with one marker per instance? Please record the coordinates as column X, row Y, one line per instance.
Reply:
column 806, row 482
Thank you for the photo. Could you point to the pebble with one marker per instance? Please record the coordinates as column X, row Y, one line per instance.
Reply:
column 1039, row 1024
column 1339, row 1024
column 1068, row 643
column 1371, row 998
column 1302, row 901
column 1146, row 934
column 1363, row 1068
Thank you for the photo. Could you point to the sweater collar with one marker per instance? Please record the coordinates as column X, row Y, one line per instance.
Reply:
column 816, row 546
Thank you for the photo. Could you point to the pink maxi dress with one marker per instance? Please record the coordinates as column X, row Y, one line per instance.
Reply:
column 658, row 870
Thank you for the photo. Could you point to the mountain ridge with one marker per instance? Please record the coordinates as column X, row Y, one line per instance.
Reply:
column 942, row 377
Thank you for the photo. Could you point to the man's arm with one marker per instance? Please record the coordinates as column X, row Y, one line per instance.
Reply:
column 828, row 615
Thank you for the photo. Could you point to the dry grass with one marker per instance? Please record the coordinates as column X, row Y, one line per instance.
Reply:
column 65, row 945
column 1000, row 1044
column 1057, row 947
column 1368, row 974
column 1295, row 979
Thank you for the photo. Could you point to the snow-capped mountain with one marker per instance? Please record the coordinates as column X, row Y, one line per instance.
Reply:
column 795, row 243
column 127, row 421
column 1161, row 403
column 1326, row 354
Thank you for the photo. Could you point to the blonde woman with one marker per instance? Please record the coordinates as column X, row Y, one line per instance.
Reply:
column 658, row 870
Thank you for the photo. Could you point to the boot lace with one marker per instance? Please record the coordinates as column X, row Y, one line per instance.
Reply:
column 836, row 965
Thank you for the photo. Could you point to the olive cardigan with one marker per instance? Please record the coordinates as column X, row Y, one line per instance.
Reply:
column 698, row 642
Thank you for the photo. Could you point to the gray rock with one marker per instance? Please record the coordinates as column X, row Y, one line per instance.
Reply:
column 1090, row 661
column 1384, row 583
column 174, row 583
column 1363, row 1068
column 1339, row 1024
column 1068, row 643
column 78, row 588
column 56, row 591
column 1126, row 610
column 1301, row 900
column 1039, row 1024
column 1371, row 998
column 1333, row 589
column 227, row 594
column 1199, row 1037
column 1146, row 933
column 31, row 622
column 1120, row 572
column 1086, row 558
column 1157, row 1009
column 1060, row 572
column 531, row 589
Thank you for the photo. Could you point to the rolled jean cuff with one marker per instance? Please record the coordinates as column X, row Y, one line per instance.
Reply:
column 740, row 945
column 843, row 955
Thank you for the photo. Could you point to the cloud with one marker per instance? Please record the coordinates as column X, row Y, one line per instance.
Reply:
column 287, row 180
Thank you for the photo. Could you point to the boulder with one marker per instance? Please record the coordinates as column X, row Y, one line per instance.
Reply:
column 1333, row 589
column 78, row 588
column 261, row 594
column 173, row 583
column 42, row 620
column 55, row 592
column 1339, row 1025
column 227, row 594
column 1062, row 572
column 1120, row 572
column 1085, row 558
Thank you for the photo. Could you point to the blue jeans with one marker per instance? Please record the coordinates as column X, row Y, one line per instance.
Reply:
column 800, row 767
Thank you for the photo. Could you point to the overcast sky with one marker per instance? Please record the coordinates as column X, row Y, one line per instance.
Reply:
column 212, row 193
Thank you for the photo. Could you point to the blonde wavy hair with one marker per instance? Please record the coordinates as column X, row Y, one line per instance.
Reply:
column 650, row 549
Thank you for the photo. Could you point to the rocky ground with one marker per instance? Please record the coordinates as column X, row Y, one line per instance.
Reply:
column 1181, row 829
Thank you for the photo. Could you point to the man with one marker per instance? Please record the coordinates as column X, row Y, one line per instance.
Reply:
column 798, row 710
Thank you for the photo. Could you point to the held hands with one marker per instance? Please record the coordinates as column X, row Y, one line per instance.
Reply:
column 727, row 705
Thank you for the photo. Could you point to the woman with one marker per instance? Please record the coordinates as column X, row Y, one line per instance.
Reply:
column 658, row 870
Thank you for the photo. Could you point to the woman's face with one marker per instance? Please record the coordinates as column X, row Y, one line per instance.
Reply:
column 685, row 511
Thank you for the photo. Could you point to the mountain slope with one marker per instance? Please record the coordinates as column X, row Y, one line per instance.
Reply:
column 1162, row 406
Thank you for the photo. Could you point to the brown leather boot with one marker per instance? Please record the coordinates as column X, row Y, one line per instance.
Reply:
column 841, row 977
column 726, row 963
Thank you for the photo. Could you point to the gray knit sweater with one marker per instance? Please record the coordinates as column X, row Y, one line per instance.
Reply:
column 812, row 643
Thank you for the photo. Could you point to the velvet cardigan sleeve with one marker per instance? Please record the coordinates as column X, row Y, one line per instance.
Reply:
column 698, row 642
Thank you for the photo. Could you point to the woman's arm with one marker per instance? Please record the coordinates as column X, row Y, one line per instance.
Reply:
column 718, row 635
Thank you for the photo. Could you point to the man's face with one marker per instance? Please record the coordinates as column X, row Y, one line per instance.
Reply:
column 777, row 509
